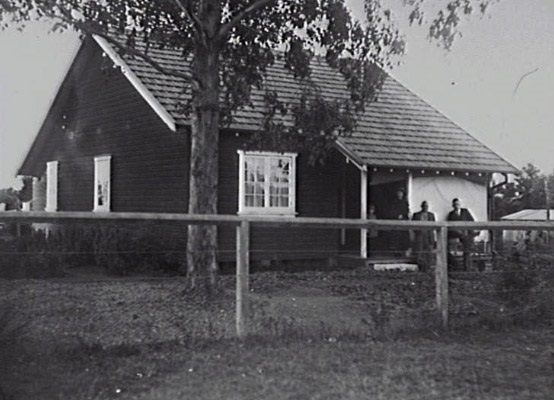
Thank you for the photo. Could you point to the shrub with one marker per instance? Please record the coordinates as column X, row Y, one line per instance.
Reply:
column 122, row 249
column 133, row 248
column 28, row 257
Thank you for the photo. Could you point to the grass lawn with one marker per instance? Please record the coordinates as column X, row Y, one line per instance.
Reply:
column 314, row 335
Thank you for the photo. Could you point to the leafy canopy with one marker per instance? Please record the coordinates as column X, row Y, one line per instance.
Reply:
column 447, row 16
column 13, row 198
column 532, row 189
column 248, row 37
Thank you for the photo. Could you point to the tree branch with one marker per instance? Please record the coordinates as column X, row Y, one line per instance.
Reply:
column 196, row 23
column 66, row 17
column 255, row 6
column 138, row 53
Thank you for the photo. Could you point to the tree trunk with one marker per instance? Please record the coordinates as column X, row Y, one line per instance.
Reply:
column 202, row 239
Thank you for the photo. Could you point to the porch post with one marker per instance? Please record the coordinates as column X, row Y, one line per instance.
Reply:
column 409, row 184
column 363, row 211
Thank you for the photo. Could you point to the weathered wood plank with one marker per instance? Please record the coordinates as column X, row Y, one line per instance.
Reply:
column 363, row 211
column 441, row 276
column 243, row 270
column 320, row 223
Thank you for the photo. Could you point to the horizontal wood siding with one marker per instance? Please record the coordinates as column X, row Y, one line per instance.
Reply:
column 317, row 196
column 100, row 113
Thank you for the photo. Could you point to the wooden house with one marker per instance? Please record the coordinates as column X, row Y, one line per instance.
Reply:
column 115, row 139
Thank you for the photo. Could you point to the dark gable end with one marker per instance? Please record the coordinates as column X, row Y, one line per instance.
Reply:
column 41, row 151
column 96, row 112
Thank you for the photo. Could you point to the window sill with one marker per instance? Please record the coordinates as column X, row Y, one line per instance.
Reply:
column 263, row 213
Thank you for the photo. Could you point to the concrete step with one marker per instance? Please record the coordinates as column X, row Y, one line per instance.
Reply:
column 353, row 261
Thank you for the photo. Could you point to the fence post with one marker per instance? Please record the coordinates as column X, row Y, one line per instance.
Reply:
column 243, row 270
column 363, row 212
column 441, row 276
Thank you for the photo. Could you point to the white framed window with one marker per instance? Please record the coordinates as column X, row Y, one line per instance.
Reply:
column 267, row 183
column 102, row 183
column 51, row 186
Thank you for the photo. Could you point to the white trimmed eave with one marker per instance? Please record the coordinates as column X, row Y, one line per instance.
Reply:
column 350, row 156
column 136, row 82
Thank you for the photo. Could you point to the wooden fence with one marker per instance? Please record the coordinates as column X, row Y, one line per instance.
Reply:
column 243, row 225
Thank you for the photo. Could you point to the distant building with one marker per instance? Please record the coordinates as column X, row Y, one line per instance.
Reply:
column 512, row 236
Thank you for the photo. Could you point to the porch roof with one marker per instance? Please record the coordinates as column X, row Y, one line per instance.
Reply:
column 398, row 130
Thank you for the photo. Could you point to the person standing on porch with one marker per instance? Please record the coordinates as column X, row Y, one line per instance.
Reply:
column 424, row 240
column 463, row 236
column 399, row 209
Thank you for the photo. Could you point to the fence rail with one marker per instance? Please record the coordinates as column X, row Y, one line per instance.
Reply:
column 243, row 226
column 220, row 219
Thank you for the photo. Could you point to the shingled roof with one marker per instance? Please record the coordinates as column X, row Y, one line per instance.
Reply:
column 399, row 130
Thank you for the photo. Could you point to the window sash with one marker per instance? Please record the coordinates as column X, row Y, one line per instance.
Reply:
column 267, row 183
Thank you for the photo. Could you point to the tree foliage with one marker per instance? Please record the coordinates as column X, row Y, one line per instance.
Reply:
column 247, row 37
column 10, row 198
column 532, row 189
column 13, row 198
column 446, row 19
column 229, row 45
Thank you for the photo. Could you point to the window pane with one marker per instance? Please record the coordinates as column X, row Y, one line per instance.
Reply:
column 279, row 181
column 254, row 182
column 100, row 194
column 254, row 201
column 102, row 183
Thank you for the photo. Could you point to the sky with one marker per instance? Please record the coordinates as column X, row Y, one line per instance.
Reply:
column 497, row 82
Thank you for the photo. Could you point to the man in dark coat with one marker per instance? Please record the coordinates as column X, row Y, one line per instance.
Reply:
column 398, row 241
column 464, row 236
column 424, row 240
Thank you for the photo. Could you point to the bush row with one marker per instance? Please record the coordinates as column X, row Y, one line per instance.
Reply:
column 121, row 250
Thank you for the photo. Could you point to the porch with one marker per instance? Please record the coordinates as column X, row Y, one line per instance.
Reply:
column 364, row 187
